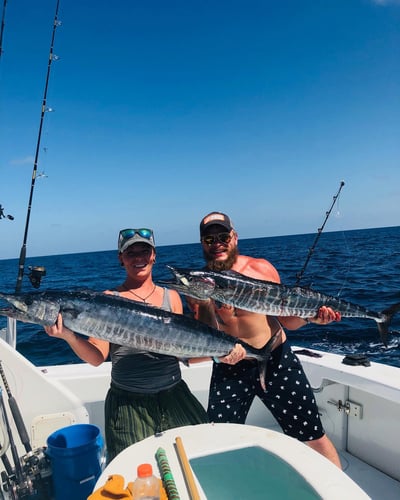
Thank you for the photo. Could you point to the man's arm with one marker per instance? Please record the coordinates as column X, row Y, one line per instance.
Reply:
column 203, row 310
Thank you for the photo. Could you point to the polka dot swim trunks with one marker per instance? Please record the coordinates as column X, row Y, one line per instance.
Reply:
column 289, row 396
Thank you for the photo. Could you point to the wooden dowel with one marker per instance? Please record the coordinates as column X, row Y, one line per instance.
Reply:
column 187, row 470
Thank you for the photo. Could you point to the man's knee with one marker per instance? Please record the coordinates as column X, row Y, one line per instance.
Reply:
column 325, row 447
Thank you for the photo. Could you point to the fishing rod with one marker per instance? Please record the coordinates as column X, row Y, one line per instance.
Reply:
column 2, row 26
column 15, row 412
column 319, row 232
column 14, row 452
column 36, row 272
column 31, row 474
column 52, row 56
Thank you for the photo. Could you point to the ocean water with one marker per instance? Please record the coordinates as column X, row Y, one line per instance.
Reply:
column 360, row 266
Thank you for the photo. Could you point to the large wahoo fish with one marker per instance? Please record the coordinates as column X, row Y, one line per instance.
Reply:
column 126, row 322
column 267, row 297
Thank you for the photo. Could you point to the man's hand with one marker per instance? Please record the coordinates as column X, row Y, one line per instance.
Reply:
column 192, row 302
column 203, row 310
column 325, row 316
column 236, row 354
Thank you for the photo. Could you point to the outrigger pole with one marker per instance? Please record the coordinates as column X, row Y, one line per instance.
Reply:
column 320, row 229
column 22, row 256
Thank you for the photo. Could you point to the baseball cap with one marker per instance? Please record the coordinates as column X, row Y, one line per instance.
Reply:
column 216, row 218
column 128, row 237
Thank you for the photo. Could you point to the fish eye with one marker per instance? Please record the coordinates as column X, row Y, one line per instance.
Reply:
column 208, row 281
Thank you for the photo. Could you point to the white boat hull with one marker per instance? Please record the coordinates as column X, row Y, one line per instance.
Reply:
column 359, row 407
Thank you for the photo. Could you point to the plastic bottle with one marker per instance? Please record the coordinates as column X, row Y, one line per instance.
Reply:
column 146, row 486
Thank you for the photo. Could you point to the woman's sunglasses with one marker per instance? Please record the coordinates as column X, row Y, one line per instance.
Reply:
column 210, row 239
column 130, row 233
column 127, row 234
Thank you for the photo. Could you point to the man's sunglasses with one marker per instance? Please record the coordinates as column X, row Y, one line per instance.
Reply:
column 130, row 233
column 210, row 239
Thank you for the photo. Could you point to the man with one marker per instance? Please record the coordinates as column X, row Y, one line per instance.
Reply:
column 289, row 396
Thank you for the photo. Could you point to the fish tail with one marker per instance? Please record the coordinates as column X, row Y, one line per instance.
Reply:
column 265, row 353
column 383, row 327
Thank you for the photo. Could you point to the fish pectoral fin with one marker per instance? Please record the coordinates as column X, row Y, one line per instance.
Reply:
column 71, row 312
column 262, row 369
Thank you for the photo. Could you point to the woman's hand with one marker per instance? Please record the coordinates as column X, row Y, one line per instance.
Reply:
column 58, row 330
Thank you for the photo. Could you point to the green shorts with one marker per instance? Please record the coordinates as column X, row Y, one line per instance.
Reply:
column 131, row 416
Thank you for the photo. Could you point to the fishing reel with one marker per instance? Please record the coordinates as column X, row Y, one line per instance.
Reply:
column 30, row 476
column 34, row 481
column 36, row 274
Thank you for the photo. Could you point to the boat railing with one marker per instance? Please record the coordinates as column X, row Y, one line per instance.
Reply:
column 325, row 383
column 11, row 333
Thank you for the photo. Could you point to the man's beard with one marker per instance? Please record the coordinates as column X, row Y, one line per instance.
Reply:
column 222, row 265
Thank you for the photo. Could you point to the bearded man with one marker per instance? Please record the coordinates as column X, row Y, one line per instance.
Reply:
column 233, row 387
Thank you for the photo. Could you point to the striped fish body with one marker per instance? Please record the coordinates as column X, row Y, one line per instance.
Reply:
column 264, row 297
column 269, row 298
column 124, row 322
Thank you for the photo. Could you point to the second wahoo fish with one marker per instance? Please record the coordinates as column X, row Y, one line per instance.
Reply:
column 267, row 297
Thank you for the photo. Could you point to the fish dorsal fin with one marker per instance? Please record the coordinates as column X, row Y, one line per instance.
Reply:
column 233, row 274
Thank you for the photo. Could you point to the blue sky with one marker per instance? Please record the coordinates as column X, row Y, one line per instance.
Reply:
column 166, row 110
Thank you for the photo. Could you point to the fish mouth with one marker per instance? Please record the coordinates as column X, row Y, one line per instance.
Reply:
column 12, row 312
column 5, row 310
column 180, row 282
column 189, row 283
column 13, row 304
column 189, row 278
column 15, row 308
column 180, row 279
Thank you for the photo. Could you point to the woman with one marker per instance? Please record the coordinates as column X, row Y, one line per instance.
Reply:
column 147, row 394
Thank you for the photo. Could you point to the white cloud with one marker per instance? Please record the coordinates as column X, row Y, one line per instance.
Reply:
column 28, row 160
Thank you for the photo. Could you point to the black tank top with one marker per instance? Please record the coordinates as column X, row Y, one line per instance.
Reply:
column 141, row 371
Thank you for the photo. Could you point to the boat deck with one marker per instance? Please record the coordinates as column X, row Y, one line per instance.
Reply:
column 376, row 484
